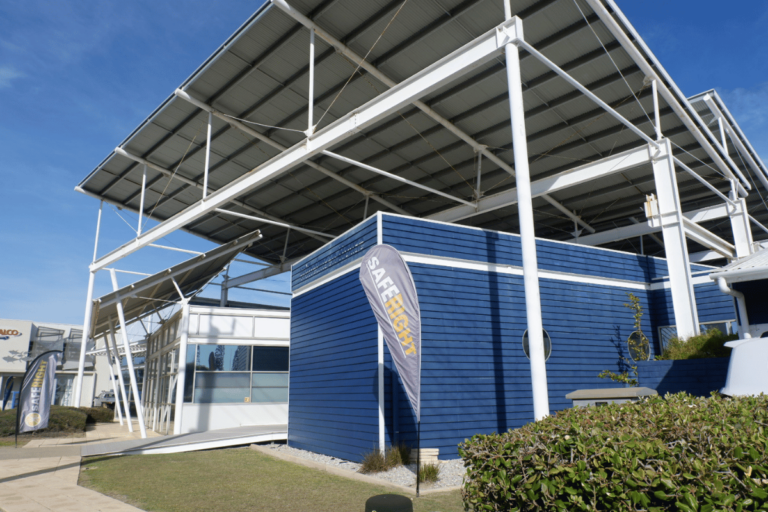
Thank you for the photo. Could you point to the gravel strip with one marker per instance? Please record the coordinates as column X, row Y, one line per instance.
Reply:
column 451, row 471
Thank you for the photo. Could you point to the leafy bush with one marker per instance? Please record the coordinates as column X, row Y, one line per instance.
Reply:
column 99, row 414
column 709, row 344
column 63, row 420
column 429, row 473
column 678, row 453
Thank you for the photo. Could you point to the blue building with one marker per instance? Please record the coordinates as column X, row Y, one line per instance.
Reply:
column 475, row 373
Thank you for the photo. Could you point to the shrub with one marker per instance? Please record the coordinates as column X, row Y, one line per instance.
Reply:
column 709, row 344
column 99, row 414
column 375, row 461
column 429, row 473
column 63, row 420
column 678, row 453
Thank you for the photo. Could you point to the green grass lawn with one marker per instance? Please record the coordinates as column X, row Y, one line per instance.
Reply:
column 235, row 480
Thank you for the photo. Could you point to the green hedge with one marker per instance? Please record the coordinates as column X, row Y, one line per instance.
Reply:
column 63, row 420
column 674, row 453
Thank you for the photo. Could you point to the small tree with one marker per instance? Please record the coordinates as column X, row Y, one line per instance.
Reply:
column 639, row 347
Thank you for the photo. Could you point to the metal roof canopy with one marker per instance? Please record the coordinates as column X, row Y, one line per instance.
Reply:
column 254, row 91
column 751, row 268
column 155, row 292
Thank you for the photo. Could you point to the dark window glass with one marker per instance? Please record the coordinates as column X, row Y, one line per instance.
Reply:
column 189, row 377
column 219, row 388
column 270, row 359
column 223, row 358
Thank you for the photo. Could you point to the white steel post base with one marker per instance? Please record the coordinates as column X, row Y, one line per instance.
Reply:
column 671, row 220
column 527, row 232
column 116, row 357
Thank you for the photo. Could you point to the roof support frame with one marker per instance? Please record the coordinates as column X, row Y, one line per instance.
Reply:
column 576, row 176
column 635, row 55
column 195, row 184
column 438, row 74
column 382, row 77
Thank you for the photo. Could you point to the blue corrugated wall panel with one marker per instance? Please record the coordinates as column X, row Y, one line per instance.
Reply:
column 352, row 245
column 697, row 377
column 475, row 376
column 450, row 240
column 333, row 380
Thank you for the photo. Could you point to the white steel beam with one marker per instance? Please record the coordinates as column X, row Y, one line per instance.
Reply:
column 572, row 177
column 88, row 312
column 525, row 215
column 639, row 228
column 708, row 239
column 724, row 125
column 650, row 71
column 234, row 123
column 113, row 348
column 192, row 183
column 383, row 78
column 129, row 357
column 465, row 59
column 264, row 273
column 700, row 257
column 281, row 224
column 396, row 177
column 742, row 231
column 672, row 222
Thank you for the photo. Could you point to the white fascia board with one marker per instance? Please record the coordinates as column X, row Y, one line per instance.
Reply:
column 570, row 178
column 453, row 66
column 260, row 274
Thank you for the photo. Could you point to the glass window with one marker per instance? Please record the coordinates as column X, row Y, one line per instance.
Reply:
column 269, row 387
column 223, row 358
column 547, row 345
column 189, row 377
column 219, row 388
column 270, row 359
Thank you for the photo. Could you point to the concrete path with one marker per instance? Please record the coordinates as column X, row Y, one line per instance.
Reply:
column 42, row 476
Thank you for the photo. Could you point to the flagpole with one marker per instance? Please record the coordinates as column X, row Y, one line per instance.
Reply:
column 418, row 455
column 21, row 389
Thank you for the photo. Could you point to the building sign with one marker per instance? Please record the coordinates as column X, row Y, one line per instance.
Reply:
column 15, row 336
column 6, row 334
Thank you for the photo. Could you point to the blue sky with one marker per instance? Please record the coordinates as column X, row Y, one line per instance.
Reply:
column 77, row 76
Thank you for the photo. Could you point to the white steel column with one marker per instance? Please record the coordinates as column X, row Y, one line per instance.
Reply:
column 310, row 127
column 656, row 116
column 88, row 312
column 129, row 357
column 141, row 201
column 114, row 385
column 527, row 232
column 182, row 371
column 670, row 219
column 207, row 155
column 110, row 347
column 742, row 231
column 380, row 352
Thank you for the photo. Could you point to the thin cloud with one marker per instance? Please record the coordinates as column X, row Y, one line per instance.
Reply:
column 7, row 75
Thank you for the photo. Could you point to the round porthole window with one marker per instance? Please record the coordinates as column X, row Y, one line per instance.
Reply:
column 639, row 347
column 547, row 345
